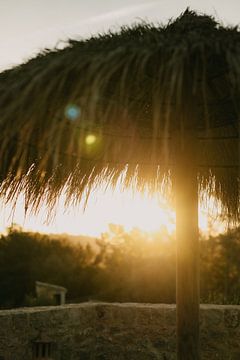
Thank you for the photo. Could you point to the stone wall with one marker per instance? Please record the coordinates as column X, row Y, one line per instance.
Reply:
column 106, row 331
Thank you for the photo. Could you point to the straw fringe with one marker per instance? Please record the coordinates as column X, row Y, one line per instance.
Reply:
column 128, row 90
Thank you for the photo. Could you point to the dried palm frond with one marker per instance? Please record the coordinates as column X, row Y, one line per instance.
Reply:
column 108, row 108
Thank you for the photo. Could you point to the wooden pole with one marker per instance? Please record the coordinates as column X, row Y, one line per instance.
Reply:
column 187, row 286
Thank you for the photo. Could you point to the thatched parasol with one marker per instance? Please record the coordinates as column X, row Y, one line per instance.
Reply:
column 150, row 106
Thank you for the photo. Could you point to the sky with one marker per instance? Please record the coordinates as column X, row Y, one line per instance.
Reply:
column 30, row 25
column 27, row 26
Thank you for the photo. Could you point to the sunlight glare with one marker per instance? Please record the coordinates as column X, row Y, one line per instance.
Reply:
column 149, row 214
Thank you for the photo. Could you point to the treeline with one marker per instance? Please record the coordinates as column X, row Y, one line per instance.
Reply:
column 120, row 266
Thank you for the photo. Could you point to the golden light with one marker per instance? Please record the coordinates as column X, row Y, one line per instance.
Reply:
column 90, row 139
column 149, row 214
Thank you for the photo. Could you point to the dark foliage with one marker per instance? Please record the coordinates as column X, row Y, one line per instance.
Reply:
column 135, row 267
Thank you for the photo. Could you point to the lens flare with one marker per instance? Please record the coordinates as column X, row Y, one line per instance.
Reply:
column 90, row 139
column 72, row 112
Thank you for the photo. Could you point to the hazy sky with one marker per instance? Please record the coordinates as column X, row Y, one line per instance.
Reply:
column 30, row 25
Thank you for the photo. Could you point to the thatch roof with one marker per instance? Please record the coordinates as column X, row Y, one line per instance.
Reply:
column 129, row 90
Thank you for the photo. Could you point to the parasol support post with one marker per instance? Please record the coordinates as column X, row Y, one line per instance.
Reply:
column 187, row 268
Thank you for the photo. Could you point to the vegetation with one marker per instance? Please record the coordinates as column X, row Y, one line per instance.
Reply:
column 119, row 266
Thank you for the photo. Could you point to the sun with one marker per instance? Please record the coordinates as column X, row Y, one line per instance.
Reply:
column 131, row 210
